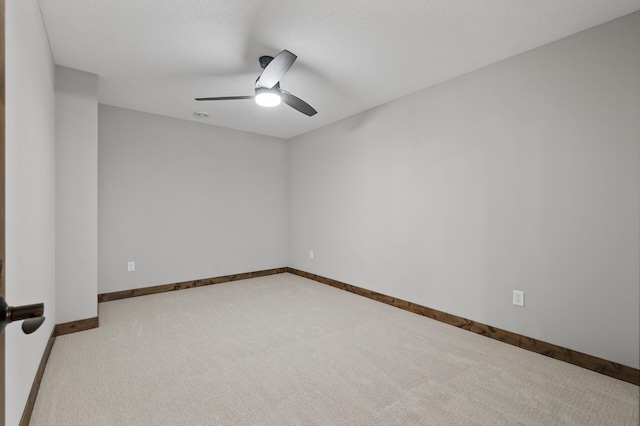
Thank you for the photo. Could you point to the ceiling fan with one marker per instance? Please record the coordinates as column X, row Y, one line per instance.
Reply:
column 268, row 91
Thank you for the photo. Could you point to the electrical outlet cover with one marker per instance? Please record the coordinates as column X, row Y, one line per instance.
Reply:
column 518, row 298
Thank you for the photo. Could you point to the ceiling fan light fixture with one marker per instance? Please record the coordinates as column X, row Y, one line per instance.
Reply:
column 267, row 88
column 267, row 97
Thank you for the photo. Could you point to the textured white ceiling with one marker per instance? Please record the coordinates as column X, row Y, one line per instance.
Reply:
column 157, row 55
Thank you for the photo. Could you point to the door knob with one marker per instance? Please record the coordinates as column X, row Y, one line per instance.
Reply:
column 31, row 314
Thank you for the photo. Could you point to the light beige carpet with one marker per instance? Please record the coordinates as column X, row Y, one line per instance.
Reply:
column 283, row 350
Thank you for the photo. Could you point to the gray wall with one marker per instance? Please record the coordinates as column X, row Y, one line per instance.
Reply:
column 522, row 175
column 30, row 193
column 186, row 200
column 76, row 194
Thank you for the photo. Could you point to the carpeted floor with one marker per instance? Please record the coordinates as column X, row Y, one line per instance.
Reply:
column 283, row 350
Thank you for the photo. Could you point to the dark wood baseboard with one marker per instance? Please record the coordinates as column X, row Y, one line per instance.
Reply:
column 75, row 326
column 609, row 368
column 35, row 387
column 58, row 330
column 107, row 297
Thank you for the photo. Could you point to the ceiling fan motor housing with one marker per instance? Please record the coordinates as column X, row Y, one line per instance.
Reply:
column 265, row 60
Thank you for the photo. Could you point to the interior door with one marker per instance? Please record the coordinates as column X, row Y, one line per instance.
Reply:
column 2, row 134
column 2, row 221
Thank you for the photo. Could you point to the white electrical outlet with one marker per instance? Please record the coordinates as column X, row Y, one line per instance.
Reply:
column 310, row 254
column 518, row 298
column 131, row 266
